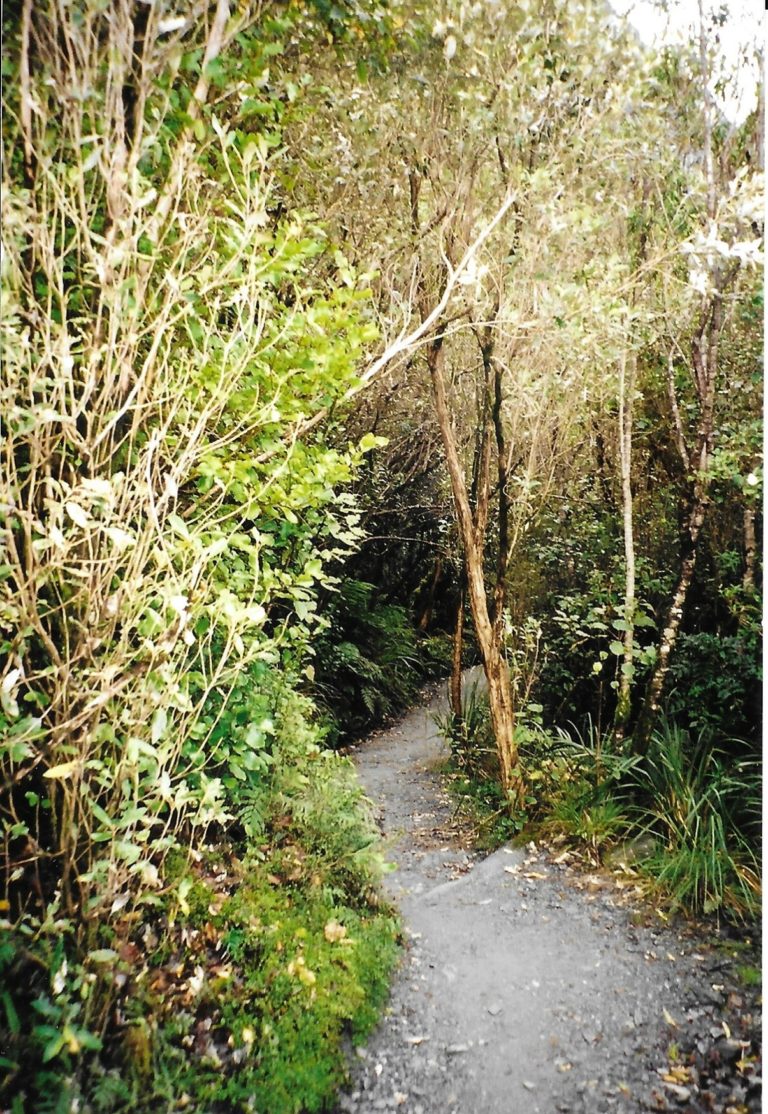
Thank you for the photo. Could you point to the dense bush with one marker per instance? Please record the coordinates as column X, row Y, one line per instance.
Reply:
column 168, row 331
column 255, row 961
column 716, row 683
column 370, row 661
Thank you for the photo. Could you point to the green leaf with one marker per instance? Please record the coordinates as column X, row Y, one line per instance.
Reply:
column 101, row 815
column 617, row 648
column 88, row 1040
column 102, row 955
column 129, row 852
column 53, row 1048
column 11, row 1015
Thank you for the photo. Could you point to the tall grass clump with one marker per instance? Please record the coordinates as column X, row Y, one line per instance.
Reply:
column 703, row 808
column 687, row 814
column 580, row 784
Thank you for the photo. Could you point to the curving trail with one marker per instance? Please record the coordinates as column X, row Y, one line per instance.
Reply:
column 527, row 987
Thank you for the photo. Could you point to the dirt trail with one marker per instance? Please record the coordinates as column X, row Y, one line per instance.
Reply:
column 526, row 987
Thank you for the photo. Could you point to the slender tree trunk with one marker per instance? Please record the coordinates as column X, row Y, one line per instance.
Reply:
column 458, row 646
column 705, row 347
column 487, row 618
column 487, row 631
column 672, row 622
column 704, row 358
column 503, row 720
column 750, row 549
column 426, row 613
column 626, row 410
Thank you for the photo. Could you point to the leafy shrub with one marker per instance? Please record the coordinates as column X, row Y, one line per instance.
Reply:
column 166, row 527
column 370, row 661
column 716, row 683
column 280, row 935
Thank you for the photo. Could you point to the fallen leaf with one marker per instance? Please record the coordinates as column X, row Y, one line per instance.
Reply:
column 669, row 1018
column 334, row 932
column 678, row 1074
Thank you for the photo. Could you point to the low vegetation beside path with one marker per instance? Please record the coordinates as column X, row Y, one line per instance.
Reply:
column 684, row 818
column 233, row 978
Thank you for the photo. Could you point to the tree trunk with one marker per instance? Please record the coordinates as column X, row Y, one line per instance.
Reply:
column 704, row 358
column 487, row 618
column 503, row 720
column 491, row 653
column 426, row 612
column 458, row 646
column 750, row 549
column 672, row 623
column 626, row 400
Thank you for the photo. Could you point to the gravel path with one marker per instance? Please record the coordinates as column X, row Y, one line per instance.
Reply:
column 528, row 987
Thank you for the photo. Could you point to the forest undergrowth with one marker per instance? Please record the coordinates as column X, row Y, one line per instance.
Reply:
column 684, row 819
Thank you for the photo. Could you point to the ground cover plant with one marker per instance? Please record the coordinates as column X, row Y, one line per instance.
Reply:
column 685, row 816
column 258, row 959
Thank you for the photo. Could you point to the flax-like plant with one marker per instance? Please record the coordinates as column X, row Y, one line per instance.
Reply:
column 700, row 804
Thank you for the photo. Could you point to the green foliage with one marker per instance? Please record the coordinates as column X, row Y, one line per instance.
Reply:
column 257, row 962
column 474, row 769
column 470, row 737
column 171, row 336
column 749, row 976
column 691, row 807
column 690, row 810
column 716, row 681
column 302, row 990
column 573, row 577
column 577, row 784
column 705, row 809
column 370, row 661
